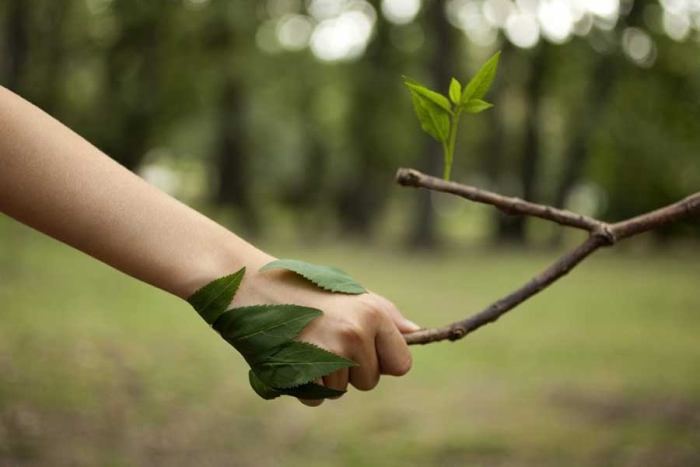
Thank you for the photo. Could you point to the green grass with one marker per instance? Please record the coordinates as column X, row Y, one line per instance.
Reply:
column 602, row 369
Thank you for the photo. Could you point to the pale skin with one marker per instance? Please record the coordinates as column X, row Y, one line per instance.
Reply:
column 56, row 182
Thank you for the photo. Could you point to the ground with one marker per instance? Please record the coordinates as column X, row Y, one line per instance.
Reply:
column 602, row 369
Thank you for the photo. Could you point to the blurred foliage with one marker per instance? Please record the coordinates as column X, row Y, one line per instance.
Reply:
column 297, row 106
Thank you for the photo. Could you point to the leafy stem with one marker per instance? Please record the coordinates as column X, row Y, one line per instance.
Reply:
column 449, row 147
column 439, row 116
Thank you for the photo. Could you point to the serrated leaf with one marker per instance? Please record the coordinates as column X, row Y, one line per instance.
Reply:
column 475, row 106
column 305, row 391
column 434, row 97
column 256, row 330
column 325, row 277
column 212, row 300
column 262, row 389
column 480, row 84
column 455, row 91
column 298, row 363
column 311, row 391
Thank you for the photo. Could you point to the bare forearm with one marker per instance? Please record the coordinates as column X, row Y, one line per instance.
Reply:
column 58, row 183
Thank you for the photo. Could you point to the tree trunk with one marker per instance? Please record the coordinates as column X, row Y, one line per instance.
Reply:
column 512, row 228
column 602, row 80
column 362, row 196
column 132, row 102
column 233, row 163
column 600, row 83
column 16, row 44
column 425, row 230
column 494, row 154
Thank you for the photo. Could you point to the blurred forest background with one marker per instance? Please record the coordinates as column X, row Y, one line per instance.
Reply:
column 299, row 106
column 286, row 120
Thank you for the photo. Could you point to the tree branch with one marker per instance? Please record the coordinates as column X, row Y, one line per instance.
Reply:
column 601, row 234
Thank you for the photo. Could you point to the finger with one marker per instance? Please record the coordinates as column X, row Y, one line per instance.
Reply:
column 392, row 351
column 405, row 326
column 365, row 376
column 313, row 402
column 337, row 380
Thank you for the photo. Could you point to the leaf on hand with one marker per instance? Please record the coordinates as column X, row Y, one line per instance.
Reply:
column 433, row 117
column 312, row 391
column 212, row 300
column 256, row 330
column 264, row 334
column 305, row 391
column 480, row 84
column 455, row 91
column 325, row 277
column 298, row 363
column 262, row 389
column 475, row 106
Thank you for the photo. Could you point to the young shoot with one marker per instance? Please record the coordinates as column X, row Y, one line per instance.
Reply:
column 439, row 116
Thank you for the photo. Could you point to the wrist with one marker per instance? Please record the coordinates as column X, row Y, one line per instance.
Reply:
column 229, row 257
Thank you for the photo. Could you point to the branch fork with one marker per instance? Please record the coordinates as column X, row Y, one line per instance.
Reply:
column 601, row 234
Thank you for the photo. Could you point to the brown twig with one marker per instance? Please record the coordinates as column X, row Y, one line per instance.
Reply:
column 601, row 234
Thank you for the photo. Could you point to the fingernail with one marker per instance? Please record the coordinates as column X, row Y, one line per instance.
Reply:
column 410, row 325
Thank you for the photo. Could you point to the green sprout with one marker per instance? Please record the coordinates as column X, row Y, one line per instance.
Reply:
column 439, row 116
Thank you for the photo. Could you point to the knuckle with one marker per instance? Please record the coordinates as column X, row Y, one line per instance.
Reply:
column 351, row 333
column 391, row 306
column 372, row 313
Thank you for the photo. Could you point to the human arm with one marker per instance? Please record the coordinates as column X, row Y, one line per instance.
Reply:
column 56, row 182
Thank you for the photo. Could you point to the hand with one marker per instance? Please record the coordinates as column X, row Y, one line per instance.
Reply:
column 365, row 328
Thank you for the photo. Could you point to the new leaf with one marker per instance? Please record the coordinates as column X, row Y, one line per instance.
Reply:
column 480, row 84
column 434, row 97
column 455, row 91
column 433, row 112
column 475, row 106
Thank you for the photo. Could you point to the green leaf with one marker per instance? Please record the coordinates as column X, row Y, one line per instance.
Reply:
column 312, row 391
column 432, row 96
column 212, row 300
column 256, row 330
column 433, row 118
column 264, row 334
column 455, row 91
column 325, row 277
column 480, row 84
column 305, row 391
column 432, row 109
column 475, row 106
column 262, row 389
column 298, row 363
